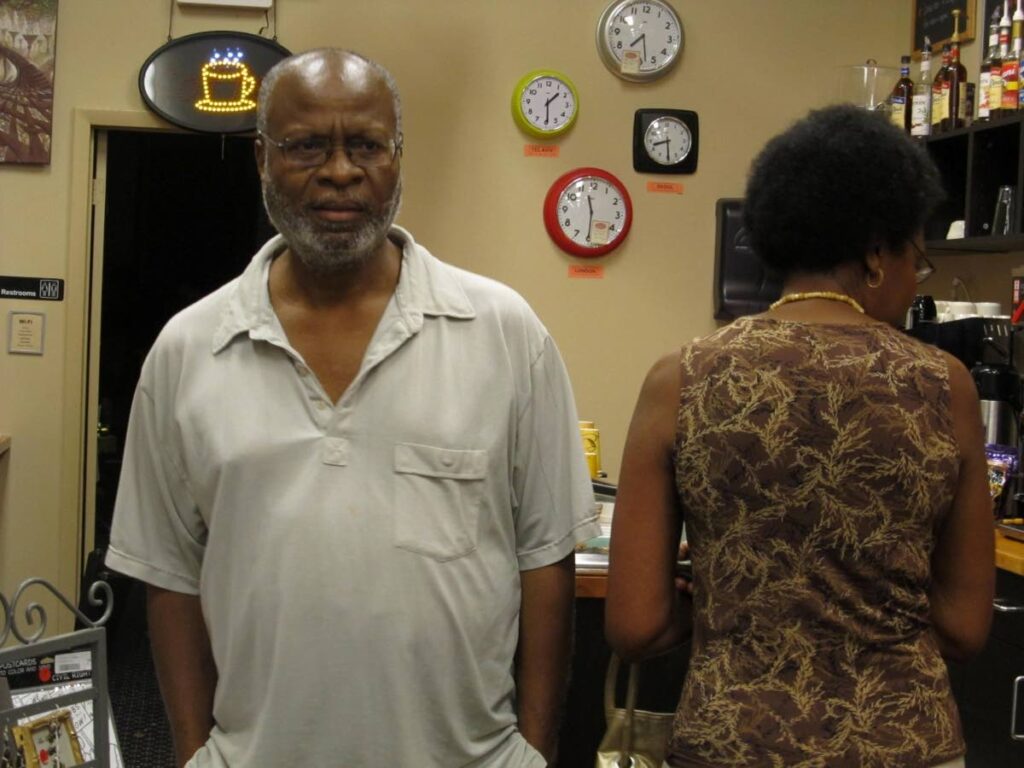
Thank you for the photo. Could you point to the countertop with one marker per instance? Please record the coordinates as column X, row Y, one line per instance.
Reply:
column 1009, row 554
column 591, row 575
column 592, row 569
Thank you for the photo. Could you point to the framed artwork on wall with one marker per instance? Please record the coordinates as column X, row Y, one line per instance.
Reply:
column 28, row 39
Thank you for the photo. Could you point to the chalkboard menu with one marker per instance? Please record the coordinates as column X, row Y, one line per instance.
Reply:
column 934, row 19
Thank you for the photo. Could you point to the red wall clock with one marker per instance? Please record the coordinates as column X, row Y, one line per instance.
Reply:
column 587, row 212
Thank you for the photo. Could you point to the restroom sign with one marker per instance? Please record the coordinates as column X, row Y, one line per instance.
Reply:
column 32, row 288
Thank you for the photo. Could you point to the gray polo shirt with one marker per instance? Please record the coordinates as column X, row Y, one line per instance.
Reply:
column 358, row 563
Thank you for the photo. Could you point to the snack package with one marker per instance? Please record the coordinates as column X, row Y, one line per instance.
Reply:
column 1002, row 465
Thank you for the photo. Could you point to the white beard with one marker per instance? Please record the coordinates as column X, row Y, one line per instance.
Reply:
column 328, row 247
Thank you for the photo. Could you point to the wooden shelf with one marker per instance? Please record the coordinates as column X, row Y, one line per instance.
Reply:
column 980, row 244
column 974, row 163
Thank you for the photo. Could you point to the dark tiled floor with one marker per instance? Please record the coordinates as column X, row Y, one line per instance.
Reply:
column 139, row 717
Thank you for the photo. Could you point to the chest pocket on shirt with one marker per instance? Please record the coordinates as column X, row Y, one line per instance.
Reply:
column 437, row 499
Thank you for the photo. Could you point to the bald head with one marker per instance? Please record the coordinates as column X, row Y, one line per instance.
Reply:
column 321, row 64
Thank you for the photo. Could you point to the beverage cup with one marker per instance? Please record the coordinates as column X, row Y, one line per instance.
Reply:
column 922, row 310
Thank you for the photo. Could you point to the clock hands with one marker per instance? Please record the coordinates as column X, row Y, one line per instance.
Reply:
column 642, row 39
column 666, row 143
column 547, row 107
column 590, row 220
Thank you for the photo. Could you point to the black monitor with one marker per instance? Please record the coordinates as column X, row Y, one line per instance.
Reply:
column 742, row 284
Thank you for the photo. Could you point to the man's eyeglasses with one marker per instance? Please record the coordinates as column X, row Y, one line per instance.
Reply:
column 314, row 151
column 923, row 268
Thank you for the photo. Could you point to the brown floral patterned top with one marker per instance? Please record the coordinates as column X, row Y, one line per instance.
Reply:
column 814, row 464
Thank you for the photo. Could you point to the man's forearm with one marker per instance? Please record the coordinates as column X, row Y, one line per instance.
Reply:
column 184, row 667
column 545, row 651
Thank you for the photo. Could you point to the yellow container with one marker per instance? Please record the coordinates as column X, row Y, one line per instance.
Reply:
column 592, row 447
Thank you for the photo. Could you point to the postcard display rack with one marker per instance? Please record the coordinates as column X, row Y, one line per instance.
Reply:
column 38, row 729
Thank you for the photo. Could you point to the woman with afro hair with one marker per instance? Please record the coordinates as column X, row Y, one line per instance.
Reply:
column 831, row 474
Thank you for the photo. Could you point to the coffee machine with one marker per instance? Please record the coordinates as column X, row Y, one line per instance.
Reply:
column 986, row 346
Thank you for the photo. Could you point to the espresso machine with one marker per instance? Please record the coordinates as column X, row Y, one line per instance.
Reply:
column 986, row 346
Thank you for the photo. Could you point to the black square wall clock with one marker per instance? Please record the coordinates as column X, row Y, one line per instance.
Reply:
column 665, row 141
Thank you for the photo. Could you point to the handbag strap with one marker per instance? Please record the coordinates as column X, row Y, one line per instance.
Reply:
column 611, row 678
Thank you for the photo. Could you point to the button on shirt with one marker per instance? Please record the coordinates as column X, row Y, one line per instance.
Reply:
column 358, row 562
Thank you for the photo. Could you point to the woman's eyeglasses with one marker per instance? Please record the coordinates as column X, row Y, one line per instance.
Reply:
column 923, row 268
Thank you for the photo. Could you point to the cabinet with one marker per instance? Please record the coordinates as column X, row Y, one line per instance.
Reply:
column 583, row 724
column 974, row 162
column 983, row 686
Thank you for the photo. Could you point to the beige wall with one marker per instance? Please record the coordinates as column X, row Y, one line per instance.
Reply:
column 749, row 68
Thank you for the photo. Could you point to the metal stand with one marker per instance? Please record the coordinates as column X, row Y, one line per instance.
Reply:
column 31, row 646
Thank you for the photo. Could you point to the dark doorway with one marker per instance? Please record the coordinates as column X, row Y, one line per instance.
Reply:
column 183, row 216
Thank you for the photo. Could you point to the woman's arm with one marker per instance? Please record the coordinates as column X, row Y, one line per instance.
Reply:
column 644, row 612
column 963, row 563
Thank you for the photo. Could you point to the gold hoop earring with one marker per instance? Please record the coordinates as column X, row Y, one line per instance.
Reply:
column 881, row 277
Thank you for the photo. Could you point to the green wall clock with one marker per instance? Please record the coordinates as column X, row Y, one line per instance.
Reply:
column 545, row 103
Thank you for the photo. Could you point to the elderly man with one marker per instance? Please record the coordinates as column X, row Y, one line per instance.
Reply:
column 354, row 478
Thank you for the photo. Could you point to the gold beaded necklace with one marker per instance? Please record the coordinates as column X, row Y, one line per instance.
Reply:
column 827, row 295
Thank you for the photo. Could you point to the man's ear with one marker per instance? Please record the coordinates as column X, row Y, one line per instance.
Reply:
column 260, row 150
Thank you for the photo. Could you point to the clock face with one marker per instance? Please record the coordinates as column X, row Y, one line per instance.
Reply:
column 588, row 212
column 668, row 141
column 545, row 103
column 639, row 40
column 665, row 140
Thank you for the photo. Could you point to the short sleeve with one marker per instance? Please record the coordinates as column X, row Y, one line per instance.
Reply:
column 158, row 535
column 552, row 486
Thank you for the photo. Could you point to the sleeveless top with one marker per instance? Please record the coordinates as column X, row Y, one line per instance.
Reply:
column 814, row 464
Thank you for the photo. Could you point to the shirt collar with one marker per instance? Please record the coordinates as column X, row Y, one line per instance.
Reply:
column 426, row 287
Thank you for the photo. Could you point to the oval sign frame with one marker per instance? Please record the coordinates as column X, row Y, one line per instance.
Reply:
column 173, row 83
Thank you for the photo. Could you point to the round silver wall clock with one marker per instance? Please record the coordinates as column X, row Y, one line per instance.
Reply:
column 639, row 41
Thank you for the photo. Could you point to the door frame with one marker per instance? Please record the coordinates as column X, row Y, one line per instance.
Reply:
column 83, row 290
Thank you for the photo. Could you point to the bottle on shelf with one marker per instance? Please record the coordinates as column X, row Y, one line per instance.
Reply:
column 921, row 107
column 902, row 97
column 1010, row 66
column 1020, row 90
column 985, row 75
column 995, row 83
column 938, row 105
column 1017, row 47
column 954, row 86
